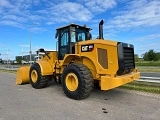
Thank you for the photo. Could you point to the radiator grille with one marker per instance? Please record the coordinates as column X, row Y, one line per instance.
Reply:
column 125, row 58
column 128, row 58
column 102, row 58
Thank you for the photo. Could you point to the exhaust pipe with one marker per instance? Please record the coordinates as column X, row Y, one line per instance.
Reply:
column 101, row 29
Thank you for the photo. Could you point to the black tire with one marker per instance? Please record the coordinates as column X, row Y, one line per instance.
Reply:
column 96, row 85
column 41, row 81
column 85, row 81
column 57, row 79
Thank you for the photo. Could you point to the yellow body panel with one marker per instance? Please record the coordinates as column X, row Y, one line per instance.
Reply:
column 52, row 55
column 91, row 65
column 111, row 58
column 109, row 83
column 45, row 64
column 106, row 75
column 46, row 68
column 22, row 75
column 90, row 59
column 98, row 41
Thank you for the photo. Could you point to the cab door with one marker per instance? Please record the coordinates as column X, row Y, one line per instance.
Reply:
column 63, row 44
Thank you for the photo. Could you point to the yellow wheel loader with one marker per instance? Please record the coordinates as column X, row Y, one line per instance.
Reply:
column 80, row 62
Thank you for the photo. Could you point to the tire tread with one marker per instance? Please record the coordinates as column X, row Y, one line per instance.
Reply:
column 86, row 79
column 42, row 80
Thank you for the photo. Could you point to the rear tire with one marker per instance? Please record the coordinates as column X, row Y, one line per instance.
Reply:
column 77, row 81
column 36, row 79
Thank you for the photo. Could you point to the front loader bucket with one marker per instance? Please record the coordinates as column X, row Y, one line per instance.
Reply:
column 22, row 75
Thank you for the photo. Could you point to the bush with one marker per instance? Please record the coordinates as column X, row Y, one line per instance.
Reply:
column 150, row 56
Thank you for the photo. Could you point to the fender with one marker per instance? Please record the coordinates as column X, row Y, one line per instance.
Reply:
column 68, row 58
column 90, row 63
column 46, row 68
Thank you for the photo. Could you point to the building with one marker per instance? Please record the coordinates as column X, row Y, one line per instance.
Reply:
column 25, row 59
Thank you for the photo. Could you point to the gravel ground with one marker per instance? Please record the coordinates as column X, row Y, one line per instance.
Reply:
column 22, row 102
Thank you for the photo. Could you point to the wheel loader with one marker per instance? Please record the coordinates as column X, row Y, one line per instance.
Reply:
column 79, row 63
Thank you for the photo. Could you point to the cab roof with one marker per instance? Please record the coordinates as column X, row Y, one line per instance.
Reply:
column 74, row 25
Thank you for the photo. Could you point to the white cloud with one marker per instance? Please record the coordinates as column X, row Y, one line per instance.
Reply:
column 145, row 38
column 142, row 48
column 13, row 18
column 149, row 37
column 51, row 12
column 27, row 11
column 146, row 42
column 11, row 23
column 36, row 29
column 98, row 6
column 67, row 11
column 137, row 14
column 4, row 3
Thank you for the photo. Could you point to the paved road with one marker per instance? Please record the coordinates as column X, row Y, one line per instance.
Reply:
column 147, row 74
column 15, row 67
column 10, row 67
column 22, row 102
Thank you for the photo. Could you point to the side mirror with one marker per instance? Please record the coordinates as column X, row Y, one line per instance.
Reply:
column 41, row 50
column 89, row 36
column 56, row 35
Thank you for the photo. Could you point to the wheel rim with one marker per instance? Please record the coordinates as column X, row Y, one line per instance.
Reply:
column 34, row 76
column 71, row 81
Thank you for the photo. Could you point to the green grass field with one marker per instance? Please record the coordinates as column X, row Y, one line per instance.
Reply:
column 139, row 86
column 143, row 86
column 148, row 69
column 148, row 63
column 148, row 66
column 10, row 71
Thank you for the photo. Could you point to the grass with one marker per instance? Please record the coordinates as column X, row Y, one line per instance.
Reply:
column 148, row 69
column 143, row 86
column 136, row 85
column 10, row 71
column 148, row 66
column 148, row 63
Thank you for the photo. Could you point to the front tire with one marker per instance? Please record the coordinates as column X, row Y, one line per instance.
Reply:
column 77, row 81
column 36, row 79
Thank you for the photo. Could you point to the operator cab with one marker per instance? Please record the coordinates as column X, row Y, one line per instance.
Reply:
column 68, row 36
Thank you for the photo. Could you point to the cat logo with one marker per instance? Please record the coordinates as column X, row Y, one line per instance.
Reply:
column 84, row 48
column 87, row 48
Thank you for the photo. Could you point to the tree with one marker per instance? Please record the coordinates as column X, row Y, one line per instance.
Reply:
column 158, row 55
column 19, row 59
column 1, row 61
column 136, row 57
column 151, row 55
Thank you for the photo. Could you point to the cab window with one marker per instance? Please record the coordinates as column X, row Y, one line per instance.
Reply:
column 81, row 36
column 64, row 39
column 73, row 34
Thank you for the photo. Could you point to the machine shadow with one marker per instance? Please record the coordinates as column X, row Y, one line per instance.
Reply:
column 96, row 93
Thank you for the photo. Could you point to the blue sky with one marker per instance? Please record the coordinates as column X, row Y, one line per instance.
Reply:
column 131, row 21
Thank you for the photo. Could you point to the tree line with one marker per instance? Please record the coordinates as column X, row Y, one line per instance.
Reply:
column 151, row 55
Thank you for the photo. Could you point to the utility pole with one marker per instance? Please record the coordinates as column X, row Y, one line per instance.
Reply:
column 30, row 43
column 7, row 55
column 2, row 54
column 22, row 51
column 30, row 52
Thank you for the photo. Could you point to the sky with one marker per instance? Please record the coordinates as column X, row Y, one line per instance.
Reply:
column 131, row 21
